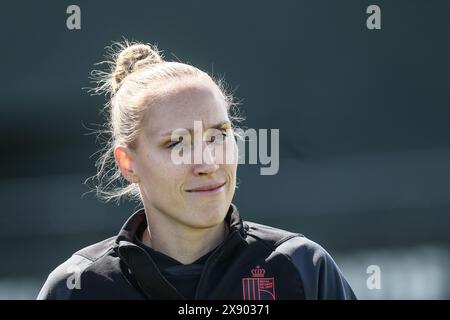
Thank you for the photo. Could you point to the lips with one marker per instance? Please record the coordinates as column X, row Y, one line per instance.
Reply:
column 207, row 187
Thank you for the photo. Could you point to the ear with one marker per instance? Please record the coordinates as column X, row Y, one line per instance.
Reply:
column 124, row 160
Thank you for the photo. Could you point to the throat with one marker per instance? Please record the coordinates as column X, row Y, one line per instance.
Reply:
column 180, row 248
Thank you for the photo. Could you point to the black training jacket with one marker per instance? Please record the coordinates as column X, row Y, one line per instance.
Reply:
column 255, row 262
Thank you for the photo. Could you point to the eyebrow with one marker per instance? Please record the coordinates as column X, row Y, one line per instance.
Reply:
column 218, row 126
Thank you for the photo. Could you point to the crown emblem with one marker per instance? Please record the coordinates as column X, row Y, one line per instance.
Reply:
column 258, row 272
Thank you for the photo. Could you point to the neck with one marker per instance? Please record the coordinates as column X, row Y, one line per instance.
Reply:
column 185, row 245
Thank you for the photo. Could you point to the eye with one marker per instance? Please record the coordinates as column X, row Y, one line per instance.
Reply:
column 220, row 137
column 180, row 139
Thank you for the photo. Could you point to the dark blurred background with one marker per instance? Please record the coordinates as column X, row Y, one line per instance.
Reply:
column 363, row 118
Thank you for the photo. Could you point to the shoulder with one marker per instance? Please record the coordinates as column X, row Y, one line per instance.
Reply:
column 289, row 243
column 84, row 270
column 321, row 277
column 271, row 236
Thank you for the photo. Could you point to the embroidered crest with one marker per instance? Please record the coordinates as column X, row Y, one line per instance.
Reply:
column 257, row 287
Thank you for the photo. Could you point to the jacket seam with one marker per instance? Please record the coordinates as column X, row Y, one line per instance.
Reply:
column 283, row 240
column 279, row 242
column 273, row 247
column 289, row 258
column 93, row 261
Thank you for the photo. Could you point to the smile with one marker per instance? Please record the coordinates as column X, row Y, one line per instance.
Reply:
column 208, row 190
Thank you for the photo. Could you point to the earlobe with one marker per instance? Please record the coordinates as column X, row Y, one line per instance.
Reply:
column 124, row 161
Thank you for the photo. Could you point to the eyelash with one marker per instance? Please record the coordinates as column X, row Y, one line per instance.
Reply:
column 224, row 136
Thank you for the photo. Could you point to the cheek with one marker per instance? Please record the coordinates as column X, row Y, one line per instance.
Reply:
column 162, row 174
column 152, row 168
column 232, row 167
column 227, row 153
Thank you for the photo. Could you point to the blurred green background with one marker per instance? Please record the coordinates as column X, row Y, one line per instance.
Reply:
column 363, row 118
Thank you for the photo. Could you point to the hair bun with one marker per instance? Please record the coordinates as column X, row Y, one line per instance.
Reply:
column 133, row 57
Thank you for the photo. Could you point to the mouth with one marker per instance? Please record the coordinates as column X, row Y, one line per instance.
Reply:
column 209, row 189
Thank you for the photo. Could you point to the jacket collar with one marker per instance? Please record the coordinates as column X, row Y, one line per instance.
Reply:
column 145, row 271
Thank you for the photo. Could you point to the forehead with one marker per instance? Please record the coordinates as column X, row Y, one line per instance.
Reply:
column 183, row 103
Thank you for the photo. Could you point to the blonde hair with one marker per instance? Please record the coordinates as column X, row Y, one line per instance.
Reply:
column 136, row 71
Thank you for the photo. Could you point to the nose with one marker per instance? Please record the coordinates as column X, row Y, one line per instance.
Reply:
column 208, row 164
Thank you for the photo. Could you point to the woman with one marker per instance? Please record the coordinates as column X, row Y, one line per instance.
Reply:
column 188, row 241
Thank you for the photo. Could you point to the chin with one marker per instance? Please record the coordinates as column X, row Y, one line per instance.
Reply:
column 209, row 216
